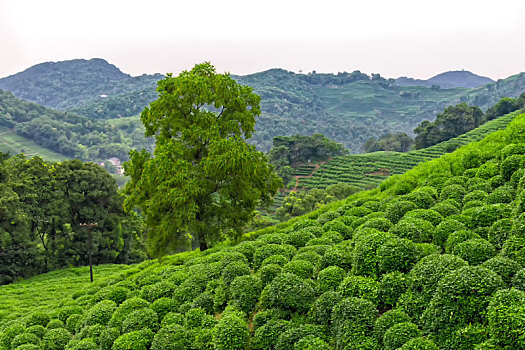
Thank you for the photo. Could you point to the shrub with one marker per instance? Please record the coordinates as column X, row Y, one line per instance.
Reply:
column 311, row 342
column 245, row 291
column 140, row 319
column 114, row 293
column 415, row 229
column 486, row 215
column 397, row 335
column 268, row 250
column 499, row 231
column 365, row 258
column 137, row 340
column 425, row 275
column 74, row 322
column 84, row 344
column 387, row 320
column 67, row 311
column 423, row 197
column 266, row 336
column 419, row 343
column 268, row 272
column 299, row 238
column 305, row 223
column 475, row 251
column 24, row 338
column 108, row 337
column 272, row 238
column 194, row 318
column 510, row 164
column 319, row 241
column 338, row 255
column 172, row 318
column 338, row 226
column 380, row 224
column 352, row 317
column 100, row 313
column 333, row 236
column 361, row 287
column 358, row 211
column 505, row 318
column 163, row 306
column 37, row 330
column 426, row 214
column 496, row 181
column 514, row 248
column 55, row 323
column 477, row 184
column 476, row 195
column 455, row 192
column 467, row 337
column 290, row 292
column 301, row 268
column 446, row 208
column 56, row 339
column 503, row 266
column 458, row 237
column 330, row 278
column 472, row 204
column 263, row 317
column 125, row 309
column 503, row 194
column 311, row 256
column 27, row 347
column 461, row 298
column 396, row 254
column 278, row 259
column 395, row 211
column 324, row 306
column 293, row 334
column 326, row 217
column 246, row 248
column 488, row 169
column 233, row 270
column 230, row 333
column 391, row 287
column 38, row 318
column 518, row 281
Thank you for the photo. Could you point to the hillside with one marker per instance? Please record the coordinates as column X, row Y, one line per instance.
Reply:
column 433, row 259
column 347, row 107
column 448, row 80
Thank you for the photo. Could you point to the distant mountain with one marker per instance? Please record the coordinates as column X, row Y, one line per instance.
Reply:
column 72, row 83
column 448, row 80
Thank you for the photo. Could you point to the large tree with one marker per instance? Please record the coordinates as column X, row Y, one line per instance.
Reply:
column 203, row 180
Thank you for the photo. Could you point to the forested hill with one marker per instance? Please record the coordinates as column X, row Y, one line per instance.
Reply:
column 448, row 80
column 346, row 107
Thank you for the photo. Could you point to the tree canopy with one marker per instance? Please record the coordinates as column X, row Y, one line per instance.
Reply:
column 397, row 142
column 203, row 180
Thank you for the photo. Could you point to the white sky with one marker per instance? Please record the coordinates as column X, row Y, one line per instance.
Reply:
column 415, row 38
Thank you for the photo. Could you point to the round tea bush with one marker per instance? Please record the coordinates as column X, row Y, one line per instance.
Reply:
column 505, row 318
column 446, row 208
column 423, row 197
column 37, row 330
column 107, row 338
column 55, row 323
column 8, row 333
column 425, row 249
column 387, row 320
column 114, row 293
column 461, row 298
column 472, row 204
column 67, row 311
column 290, row 292
column 365, row 258
column 324, row 306
column 510, row 164
column 266, row 336
column 245, row 291
column 419, row 343
column 518, row 281
column 391, row 287
column 163, row 306
column 311, row 256
column 268, row 250
column 380, row 224
column 301, row 268
column 361, row 287
column 100, row 313
column 455, row 192
column 230, row 333
column 194, row 318
column 326, row 217
column 395, row 211
column 246, row 248
column 503, row 194
column 24, row 338
column 334, row 237
column 337, row 256
column 278, row 259
column 444, row 229
column 475, row 251
column 299, row 238
column 352, row 316
column 319, row 241
column 475, row 196
column 56, row 339
column 338, row 226
column 358, row 211
column 396, row 254
column 372, row 205
column 311, row 342
column 486, row 215
column 488, row 169
column 514, row 248
column 425, row 214
column 140, row 319
column 74, row 322
column 125, row 309
column 305, row 223
column 38, row 318
column 397, row 335
column 477, row 184
column 268, row 272
column 503, row 266
column 496, row 181
column 417, row 230
column 272, row 238
column 458, row 237
column 319, row 249
column 171, row 337
column 426, row 274
column 330, row 278
column 137, row 340
column 467, row 337
column 233, row 270
column 28, row 347
column 84, row 344
column 172, row 318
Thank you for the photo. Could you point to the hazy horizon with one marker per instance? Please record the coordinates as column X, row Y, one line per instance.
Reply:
column 404, row 38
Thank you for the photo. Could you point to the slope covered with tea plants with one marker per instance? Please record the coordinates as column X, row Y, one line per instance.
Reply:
column 433, row 259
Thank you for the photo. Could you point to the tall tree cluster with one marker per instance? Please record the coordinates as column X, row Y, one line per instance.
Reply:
column 42, row 207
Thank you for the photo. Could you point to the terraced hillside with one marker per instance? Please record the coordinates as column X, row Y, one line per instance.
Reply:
column 433, row 259
column 370, row 169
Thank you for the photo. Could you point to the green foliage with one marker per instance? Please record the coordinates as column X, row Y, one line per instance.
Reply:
column 397, row 142
column 505, row 318
column 100, row 313
column 518, row 281
column 245, row 291
column 230, row 333
column 290, row 292
column 365, row 258
column 171, row 337
column 233, row 270
column 137, row 340
column 397, row 335
column 504, row 267
column 311, row 342
column 140, row 319
column 202, row 166
column 324, row 306
column 391, row 287
column 301, row 268
column 56, row 339
column 474, row 251
column 396, row 254
column 387, row 320
column 24, row 338
column 395, row 211
column 330, row 278
column 352, row 317
column 419, row 343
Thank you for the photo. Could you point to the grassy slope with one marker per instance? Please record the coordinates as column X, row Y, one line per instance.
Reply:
column 12, row 143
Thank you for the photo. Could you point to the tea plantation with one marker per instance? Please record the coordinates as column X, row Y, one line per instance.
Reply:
column 432, row 259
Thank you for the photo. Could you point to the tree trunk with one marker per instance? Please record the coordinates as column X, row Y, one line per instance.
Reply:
column 202, row 242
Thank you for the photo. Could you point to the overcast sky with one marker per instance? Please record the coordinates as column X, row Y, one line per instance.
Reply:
column 395, row 38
